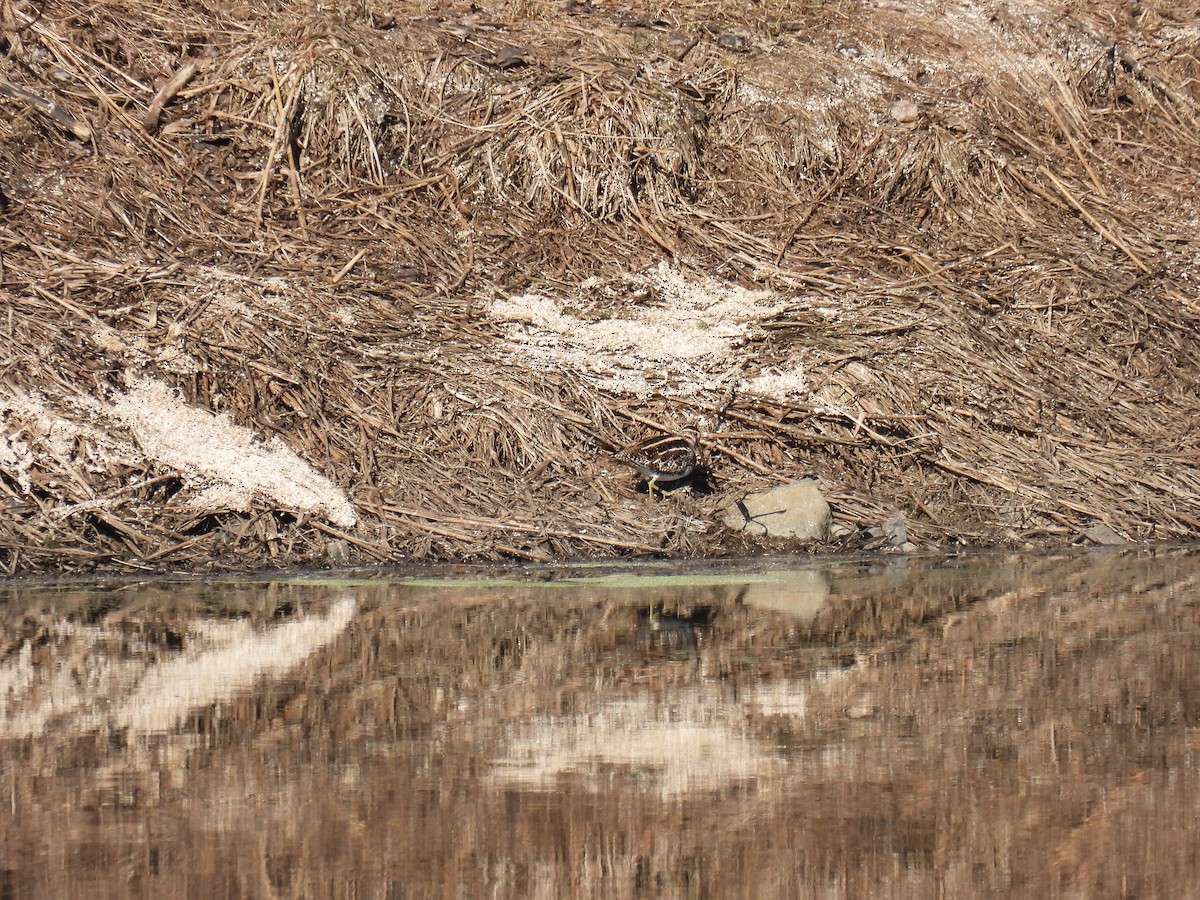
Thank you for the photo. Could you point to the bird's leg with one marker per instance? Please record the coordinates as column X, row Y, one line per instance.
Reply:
column 652, row 486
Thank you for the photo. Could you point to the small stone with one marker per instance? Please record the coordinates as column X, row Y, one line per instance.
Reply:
column 1102, row 534
column 895, row 531
column 734, row 41
column 337, row 552
column 891, row 534
column 511, row 57
column 796, row 510
column 905, row 111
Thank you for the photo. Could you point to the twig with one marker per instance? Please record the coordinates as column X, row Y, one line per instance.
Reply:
column 1140, row 71
column 345, row 270
column 167, row 93
column 51, row 110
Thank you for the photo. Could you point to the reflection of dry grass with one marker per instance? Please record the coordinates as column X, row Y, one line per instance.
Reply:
column 674, row 747
column 104, row 679
column 1019, row 727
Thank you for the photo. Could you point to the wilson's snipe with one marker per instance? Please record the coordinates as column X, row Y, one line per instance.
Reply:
column 663, row 459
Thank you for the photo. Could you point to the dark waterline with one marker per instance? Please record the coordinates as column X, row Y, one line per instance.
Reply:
column 981, row 725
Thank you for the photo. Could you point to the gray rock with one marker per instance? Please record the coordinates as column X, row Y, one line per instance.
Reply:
column 337, row 552
column 1102, row 534
column 891, row 535
column 896, row 532
column 796, row 510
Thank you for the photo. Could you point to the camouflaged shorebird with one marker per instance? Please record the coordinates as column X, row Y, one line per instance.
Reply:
column 663, row 459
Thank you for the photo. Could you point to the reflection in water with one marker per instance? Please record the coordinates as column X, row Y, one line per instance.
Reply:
column 669, row 747
column 671, row 632
column 989, row 725
column 802, row 596
column 149, row 691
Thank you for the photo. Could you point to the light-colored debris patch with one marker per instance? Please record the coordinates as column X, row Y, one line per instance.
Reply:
column 30, row 430
column 15, row 456
column 344, row 315
column 234, row 294
column 224, row 466
column 789, row 382
column 658, row 331
column 215, row 453
column 136, row 348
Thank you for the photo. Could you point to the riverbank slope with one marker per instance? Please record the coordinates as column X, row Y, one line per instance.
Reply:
column 283, row 284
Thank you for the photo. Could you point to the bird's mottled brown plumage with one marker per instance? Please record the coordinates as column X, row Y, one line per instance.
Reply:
column 663, row 459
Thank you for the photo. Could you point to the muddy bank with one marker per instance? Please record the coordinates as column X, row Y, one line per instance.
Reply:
column 332, row 285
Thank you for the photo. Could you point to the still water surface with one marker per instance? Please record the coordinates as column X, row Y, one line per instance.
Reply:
column 981, row 726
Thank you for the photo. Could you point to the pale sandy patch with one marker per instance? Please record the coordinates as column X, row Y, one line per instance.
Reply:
column 659, row 331
column 15, row 456
column 136, row 349
column 788, row 382
column 224, row 465
column 30, row 429
column 223, row 458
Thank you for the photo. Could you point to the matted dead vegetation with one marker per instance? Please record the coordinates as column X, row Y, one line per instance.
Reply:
column 339, row 232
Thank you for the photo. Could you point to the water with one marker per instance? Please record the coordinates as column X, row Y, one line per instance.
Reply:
column 990, row 725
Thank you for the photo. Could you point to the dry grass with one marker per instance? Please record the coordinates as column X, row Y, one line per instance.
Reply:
column 982, row 227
